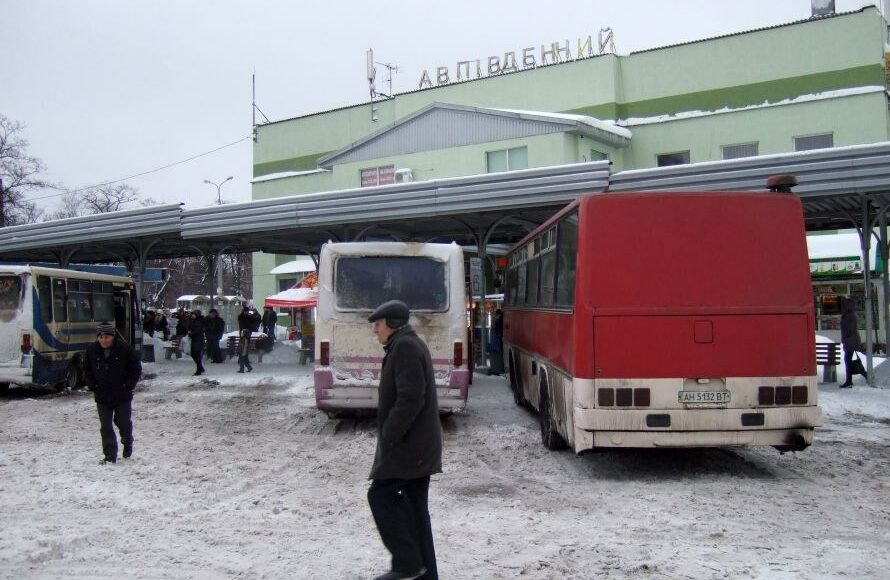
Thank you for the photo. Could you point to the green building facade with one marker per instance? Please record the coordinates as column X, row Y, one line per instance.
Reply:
column 810, row 84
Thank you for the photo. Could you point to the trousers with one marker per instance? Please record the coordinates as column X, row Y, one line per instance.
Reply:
column 400, row 510
column 198, row 354
column 111, row 414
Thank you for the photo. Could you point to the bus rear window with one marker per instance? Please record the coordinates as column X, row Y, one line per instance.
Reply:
column 364, row 283
column 10, row 296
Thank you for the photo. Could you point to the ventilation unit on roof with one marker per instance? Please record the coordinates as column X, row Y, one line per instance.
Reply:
column 404, row 175
column 822, row 7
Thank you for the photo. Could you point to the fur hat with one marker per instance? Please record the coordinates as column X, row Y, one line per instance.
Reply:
column 395, row 312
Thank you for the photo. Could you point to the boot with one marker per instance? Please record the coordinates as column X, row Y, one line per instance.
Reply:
column 848, row 384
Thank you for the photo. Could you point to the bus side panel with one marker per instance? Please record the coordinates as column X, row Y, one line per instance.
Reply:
column 548, row 334
column 745, row 345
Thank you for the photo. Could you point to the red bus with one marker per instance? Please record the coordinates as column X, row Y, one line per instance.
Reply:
column 665, row 320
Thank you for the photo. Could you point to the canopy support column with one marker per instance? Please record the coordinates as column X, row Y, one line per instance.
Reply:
column 865, row 242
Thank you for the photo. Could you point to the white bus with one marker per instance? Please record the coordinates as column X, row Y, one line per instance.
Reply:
column 355, row 278
column 48, row 316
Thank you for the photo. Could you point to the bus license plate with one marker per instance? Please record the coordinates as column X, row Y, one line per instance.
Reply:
column 703, row 397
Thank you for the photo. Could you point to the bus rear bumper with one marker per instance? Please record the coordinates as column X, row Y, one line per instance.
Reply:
column 16, row 372
column 331, row 396
column 785, row 427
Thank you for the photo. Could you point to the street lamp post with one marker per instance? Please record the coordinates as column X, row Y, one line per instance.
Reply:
column 218, row 186
column 219, row 256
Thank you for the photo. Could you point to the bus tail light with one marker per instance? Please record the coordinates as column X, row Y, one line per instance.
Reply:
column 26, row 342
column 458, row 353
column 768, row 396
column 325, row 354
column 624, row 397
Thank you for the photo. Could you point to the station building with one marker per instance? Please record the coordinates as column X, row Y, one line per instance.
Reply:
column 810, row 84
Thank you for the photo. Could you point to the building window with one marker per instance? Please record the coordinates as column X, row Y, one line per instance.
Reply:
column 810, row 142
column 507, row 159
column 597, row 155
column 286, row 283
column 372, row 176
column 677, row 158
column 740, row 150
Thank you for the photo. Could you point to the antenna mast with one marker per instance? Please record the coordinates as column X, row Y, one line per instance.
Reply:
column 255, row 108
column 372, row 76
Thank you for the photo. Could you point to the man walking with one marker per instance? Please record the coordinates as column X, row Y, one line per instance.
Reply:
column 245, row 326
column 111, row 370
column 409, row 446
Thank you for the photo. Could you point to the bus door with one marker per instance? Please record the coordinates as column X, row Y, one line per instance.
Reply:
column 123, row 309
column 59, row 327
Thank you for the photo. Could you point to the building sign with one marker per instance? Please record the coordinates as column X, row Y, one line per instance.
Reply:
column 378, row 176
column 475, row 277
column 527, row 58
column 820, row 267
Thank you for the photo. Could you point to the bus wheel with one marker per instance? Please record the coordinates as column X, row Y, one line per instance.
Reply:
column 551, row 439
column 514, row 384
column 72, row 377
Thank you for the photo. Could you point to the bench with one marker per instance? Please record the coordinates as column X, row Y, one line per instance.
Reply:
column 233, row 343
column 828, row 356
column 169, row 351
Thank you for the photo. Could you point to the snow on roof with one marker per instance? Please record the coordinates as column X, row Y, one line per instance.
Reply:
column 843, row 245
column 300, row 264
column 633, row 121
column 285, row 174
column 607, row 126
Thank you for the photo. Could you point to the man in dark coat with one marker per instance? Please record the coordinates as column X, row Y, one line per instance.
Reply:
column 409, row 445
column 196, row 333
column 111, row 370
column 245, row 326
column 850, row 340
column 214, row 328
column 269, row 321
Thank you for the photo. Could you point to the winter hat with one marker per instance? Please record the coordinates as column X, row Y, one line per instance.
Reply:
column 395, row 312
column 105, row 328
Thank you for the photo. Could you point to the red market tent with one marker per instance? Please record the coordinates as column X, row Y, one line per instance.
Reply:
column 294, row 298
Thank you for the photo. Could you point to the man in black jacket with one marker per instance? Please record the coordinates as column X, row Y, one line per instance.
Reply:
column 270, row 319
column 409, row 445
column 214, row 328
column 245, row 330
column 111, row 370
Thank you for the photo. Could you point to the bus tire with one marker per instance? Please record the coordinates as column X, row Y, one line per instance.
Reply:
column 551, row 439
column 515, row 386
column 73, row 378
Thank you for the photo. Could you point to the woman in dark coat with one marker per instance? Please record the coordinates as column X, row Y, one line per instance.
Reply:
column 196, row 332
column 850, row 340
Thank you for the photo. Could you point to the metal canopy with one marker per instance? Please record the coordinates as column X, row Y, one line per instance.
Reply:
column 839, row 188
column 832, row 183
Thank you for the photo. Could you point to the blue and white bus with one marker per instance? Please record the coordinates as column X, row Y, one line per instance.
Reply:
column 48, row 316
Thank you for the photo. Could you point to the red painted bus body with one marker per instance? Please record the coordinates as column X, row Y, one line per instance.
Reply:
column 686, row 320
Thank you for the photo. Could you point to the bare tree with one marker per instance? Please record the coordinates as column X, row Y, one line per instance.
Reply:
column 19, row 174
column 71, row 205
column 108, row 198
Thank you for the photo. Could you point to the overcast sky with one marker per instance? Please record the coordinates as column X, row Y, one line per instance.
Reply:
column 111, row 88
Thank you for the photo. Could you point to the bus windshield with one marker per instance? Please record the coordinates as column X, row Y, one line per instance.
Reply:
column 365, row 282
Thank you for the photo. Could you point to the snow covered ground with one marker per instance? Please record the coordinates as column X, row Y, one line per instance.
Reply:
column 238, row 476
